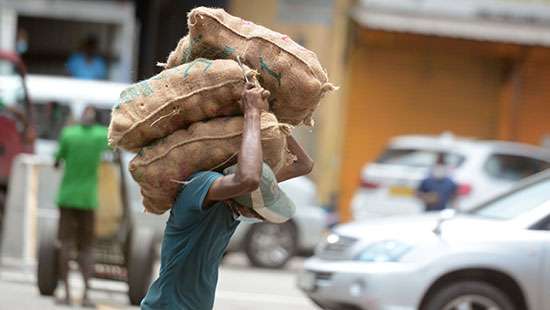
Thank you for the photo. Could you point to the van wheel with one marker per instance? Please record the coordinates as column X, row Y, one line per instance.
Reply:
column 269, row 245
column 469, row 295
column 47, row 275
column 141, row 262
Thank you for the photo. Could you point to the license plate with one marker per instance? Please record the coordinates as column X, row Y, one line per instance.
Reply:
column 306, row 281
column 401, row 191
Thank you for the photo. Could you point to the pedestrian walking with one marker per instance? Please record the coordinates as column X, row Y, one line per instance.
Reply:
column 208, row 210
column 80, row 149
column 438, row 190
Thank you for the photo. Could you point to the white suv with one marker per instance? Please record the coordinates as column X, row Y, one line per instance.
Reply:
column 481, row 168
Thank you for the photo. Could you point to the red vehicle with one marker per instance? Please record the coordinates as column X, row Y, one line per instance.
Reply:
column 17, row 135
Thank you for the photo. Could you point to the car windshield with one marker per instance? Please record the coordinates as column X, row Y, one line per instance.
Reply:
column 12, row 92
column 516, row 203
column 418, row 158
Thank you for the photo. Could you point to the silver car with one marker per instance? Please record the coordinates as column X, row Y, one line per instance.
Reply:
column 273, row 245
column 495, row 257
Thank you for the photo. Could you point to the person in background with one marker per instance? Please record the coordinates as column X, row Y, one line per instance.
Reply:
column 22, row 41
column 87, row 64
column 438, row 190
column 80, row 149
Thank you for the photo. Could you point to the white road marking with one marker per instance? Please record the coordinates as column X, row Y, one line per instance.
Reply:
column 260, row 297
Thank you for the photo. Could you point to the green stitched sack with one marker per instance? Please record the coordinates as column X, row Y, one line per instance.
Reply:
column 291, row 73
column 203, row 146
column 174, row 99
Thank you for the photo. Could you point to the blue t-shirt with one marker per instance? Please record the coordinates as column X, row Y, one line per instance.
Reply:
column 192, row 249
column 445, row 189
column 81, row 68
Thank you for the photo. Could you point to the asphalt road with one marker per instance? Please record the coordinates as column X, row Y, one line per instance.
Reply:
column 240, row 287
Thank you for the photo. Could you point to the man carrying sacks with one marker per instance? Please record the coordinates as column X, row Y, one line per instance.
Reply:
column 208, row 209
column 205, row 122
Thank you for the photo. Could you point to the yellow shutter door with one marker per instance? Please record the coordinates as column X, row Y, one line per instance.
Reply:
column 533, row 113
column 397, row 90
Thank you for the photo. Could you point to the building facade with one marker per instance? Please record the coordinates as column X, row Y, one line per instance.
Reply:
column 475, row 68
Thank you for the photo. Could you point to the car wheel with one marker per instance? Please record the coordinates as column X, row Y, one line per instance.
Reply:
column 269, row 245
column 47, row 276
column 469, row 295
column 140, row 264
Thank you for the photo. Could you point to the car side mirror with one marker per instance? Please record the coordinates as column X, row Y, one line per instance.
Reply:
column 444, row 216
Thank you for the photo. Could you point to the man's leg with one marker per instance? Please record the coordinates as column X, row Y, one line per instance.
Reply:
column 86, row 240
column 65, row 235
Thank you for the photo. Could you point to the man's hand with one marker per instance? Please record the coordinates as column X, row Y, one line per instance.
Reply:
column 249, row 167
column 429, row 197
column 254, row 98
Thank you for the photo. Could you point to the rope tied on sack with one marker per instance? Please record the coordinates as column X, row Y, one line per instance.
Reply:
column 284, row 128
column 211, row 169
column 174, row 112
column 246, row 73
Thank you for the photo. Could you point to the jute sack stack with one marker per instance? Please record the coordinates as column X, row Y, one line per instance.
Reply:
column 174, row 99
column 290, row 72
column 160, row 168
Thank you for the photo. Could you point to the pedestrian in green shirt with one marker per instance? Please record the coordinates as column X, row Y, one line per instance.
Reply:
column 80, row 149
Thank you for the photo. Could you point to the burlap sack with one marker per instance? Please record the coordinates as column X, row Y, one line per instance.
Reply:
column 203, row 146
column 196, row 91
column 290, row 72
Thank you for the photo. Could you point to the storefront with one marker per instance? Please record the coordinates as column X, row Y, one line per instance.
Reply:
column 477, row 69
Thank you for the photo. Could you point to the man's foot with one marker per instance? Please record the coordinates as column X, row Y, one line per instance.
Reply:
column 87, row 303
column 63, row 301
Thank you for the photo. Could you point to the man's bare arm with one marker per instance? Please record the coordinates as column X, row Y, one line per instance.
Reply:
column 302, row 166
column 247, row 176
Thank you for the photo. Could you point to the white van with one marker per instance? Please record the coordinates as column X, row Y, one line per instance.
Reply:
column 58, row 101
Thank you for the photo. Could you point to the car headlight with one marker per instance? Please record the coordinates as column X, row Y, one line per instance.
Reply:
column 384, row 251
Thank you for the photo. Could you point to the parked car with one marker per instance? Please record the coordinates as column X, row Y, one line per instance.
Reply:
column 496, row 256
column 273, row 245
column 482, row 169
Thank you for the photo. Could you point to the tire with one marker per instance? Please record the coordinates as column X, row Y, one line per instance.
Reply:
column 269, row 245
column 47, row 271
column 479, row 294
column 140, row 264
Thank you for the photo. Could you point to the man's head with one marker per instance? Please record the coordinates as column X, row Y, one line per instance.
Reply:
column 90, row 45
column 88, row 116
column 439, row 170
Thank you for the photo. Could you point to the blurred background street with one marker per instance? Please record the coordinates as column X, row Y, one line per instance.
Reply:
column 431, row 183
